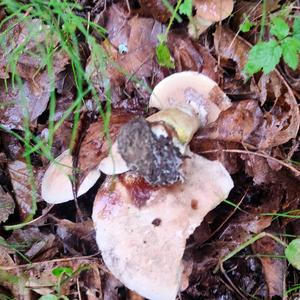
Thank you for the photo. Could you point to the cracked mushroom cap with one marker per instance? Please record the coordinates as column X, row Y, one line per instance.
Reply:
column 141, row 230
column 56, row 184
column 190, row 91
column 213, row 10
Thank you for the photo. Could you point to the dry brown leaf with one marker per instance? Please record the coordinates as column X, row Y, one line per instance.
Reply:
column 39, row 278
column 281, row 122
column 21, row 182
column 156, row 9
column 7, row 205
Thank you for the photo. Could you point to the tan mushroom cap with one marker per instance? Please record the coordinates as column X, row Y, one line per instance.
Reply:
column 213, row 10
column 190, row 90
column 142, row 236
column 56, row 185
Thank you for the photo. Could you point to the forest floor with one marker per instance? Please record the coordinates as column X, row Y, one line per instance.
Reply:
column 72, row 73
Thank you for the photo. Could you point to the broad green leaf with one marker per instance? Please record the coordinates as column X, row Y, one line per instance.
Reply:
column 296, row 28
column 59, row 270
column 279, row 28
column 265, row 56
column 290, row 51
column 292, row 253
column 164, row 57
column 48, row 297
column 186, row 8
column 246, row 25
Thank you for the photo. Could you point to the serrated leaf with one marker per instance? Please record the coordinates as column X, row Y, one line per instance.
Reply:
column 296, row 28
column 292, row 253
column 290, row 51
column 265, row 56
column 60, row 270
column 279, row 28
column 164, row 57
column 246, row 25
column 186, row 8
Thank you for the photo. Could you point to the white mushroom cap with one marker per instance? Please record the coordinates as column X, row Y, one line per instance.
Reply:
column 142, row 231
column 56, row 184
column 113, row 164
column 190, row 90
column 213, row 10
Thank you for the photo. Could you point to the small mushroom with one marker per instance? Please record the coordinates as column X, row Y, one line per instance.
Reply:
column 56, row 183
column 207, row 13
column 142, row 229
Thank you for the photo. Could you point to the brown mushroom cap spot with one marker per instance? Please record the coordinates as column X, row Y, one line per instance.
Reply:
column 213, row 10
column 142, row 255
column 56, row 185
column 190, row 91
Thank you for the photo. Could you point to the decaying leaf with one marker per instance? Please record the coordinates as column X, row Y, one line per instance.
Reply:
column 274, row 268
column 40, row 279
column 21, row 182
column 278, row 124
column 7, row 205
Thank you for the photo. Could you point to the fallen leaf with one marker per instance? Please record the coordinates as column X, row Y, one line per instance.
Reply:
column 281, row 122
column 274, row 268
column 157, row 9
column 21, row 182
column 7, row 205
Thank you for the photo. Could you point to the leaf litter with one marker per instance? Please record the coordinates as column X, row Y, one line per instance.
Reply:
column 256, row 139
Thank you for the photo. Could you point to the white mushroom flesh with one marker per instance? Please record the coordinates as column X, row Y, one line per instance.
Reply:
column 143, row 243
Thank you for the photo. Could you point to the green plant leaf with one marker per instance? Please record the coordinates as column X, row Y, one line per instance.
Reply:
column 48, row 297
column 246, row 25
column 186, row 8
column 60, row 270
column 292, row 253
column 290, row 51
column 164, row 57
column 279, row 28
column 296, row 28
column 265, row 55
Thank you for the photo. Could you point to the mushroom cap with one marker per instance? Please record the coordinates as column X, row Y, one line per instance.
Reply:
column 190, row 90
column 113, row 164
column 141, row 230
column 214, row 10
column 56, row 185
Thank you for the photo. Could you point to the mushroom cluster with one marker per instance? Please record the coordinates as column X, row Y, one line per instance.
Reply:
column 156, row 191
